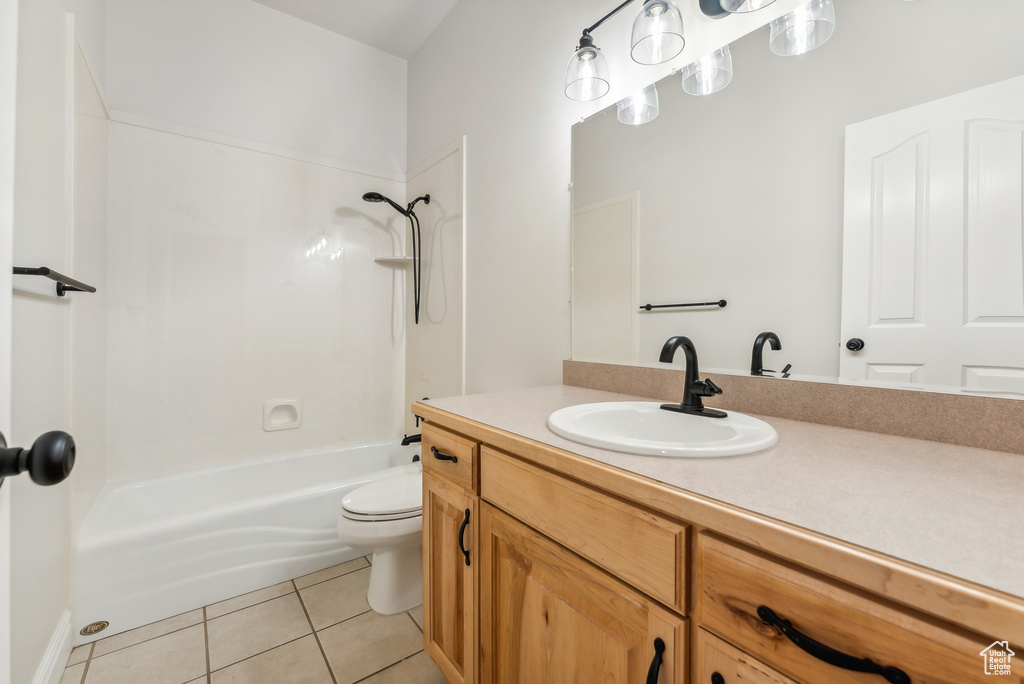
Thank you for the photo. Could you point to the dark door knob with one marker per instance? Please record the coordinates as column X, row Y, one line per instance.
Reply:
column 854, row 344
column 48, row 462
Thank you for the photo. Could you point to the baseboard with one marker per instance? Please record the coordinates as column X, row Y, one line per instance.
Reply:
column 51, row 668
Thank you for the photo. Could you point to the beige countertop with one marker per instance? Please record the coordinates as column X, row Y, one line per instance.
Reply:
column 954, row 509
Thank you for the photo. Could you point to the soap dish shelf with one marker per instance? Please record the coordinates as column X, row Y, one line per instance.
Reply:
column 394, row 260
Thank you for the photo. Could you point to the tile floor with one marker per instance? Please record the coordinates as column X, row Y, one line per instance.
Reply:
column 316, row 629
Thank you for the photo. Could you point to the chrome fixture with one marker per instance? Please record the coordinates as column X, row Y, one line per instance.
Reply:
column 708, row 74
column 657, row 38
column 803, row 29
column 640, row 108
column 693, row 389
column 417, row 246
column 757, row 355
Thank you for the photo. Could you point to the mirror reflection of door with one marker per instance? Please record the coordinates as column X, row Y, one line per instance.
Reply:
column 604, row 300
column 933, row 252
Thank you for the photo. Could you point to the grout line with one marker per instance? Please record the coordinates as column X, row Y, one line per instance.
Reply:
column 414, row 621
column 383, row 669
column 258, row 603
column 365, row 567
column 88, row 662
column 144, row 641
column 351, row 617
column 254, row 655
column 323, row 654
column 206, row 641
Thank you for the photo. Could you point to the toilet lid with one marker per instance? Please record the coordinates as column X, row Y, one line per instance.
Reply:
column 390, row 498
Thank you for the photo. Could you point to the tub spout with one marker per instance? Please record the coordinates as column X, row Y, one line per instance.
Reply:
column 411, row 439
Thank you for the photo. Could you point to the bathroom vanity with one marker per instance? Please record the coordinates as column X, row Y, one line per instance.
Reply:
column 548, row 561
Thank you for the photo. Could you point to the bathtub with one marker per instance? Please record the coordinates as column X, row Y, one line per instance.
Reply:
column 156, row 547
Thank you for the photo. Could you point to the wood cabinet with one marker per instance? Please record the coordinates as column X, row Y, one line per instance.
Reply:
column 450, row 523
column 577, row 570
column 547, row 616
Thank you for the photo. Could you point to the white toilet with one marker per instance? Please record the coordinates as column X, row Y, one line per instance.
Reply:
column 385, row 517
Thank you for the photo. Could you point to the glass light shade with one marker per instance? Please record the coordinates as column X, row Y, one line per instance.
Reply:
column 742, row 6
column 586, row 76
column 803, row 29
column 639, row 108
column 708, row 74
column 657, row 33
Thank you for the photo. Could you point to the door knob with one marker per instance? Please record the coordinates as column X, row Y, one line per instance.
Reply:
column 855, row 344
column 48, row 462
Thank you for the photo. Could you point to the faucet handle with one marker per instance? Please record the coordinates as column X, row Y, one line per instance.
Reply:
column 705, row 388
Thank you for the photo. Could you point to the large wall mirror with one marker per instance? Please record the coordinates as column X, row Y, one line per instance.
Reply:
column 740, row 196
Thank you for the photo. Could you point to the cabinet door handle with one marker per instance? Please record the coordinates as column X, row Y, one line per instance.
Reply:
column 443, row 457
column 652, row 674
column 462, row 537
column 830, row 655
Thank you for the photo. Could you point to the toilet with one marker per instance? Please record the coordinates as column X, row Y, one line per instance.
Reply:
column 385, row 517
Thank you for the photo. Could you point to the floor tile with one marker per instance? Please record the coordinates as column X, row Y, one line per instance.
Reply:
column 419, row 669
column 245, row 600
column 154, row 629
column 255, row 629
column 338, row 599
column 73, row 674
column 363, row 645
column 170, row 659
column 297, row 662
column 417, row 615
column 330, row 573
column 79, row 654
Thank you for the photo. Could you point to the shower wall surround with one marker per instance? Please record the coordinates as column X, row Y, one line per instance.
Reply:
column 239, row 277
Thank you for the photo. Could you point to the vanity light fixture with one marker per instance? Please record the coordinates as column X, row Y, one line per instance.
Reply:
column 657, row 38
column 657, row 33
column 639, row 108
column 803, row 29
column 708, row 74
column 743, row 6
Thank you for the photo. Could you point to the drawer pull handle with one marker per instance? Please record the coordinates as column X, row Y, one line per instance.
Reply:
column 443, row 457
column 830, row 655
column 717, row 678
column 652, row 674
column 462, row 537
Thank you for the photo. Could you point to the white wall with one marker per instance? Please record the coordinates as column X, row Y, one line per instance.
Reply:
column 434, row 352
column 238, row 67
column 742, row 191
column 40, row 329
column 495, row 72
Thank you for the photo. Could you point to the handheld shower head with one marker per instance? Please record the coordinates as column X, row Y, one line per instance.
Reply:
column 377, row 197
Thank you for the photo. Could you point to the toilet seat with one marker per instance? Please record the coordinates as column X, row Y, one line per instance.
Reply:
column 392, row 498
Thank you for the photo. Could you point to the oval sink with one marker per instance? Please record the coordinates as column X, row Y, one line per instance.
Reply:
column 639, row 427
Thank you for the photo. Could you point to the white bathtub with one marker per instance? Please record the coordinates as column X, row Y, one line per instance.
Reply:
column 157, row 547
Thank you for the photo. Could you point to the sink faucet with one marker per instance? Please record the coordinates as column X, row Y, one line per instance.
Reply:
column 693, row 389
column 757, row 357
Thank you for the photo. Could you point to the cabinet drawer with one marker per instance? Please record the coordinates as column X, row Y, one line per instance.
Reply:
column 450, row 456
column 643, row 549
column 731, row 665
column 736, row 582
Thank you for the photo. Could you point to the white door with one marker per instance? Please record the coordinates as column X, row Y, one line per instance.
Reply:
column 933, row 243
column 604, row 280
column 8, row 71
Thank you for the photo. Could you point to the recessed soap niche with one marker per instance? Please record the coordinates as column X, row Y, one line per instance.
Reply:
column 284, row 414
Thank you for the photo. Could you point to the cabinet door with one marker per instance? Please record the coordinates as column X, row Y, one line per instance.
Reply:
column 548, row 616
column 449, row 584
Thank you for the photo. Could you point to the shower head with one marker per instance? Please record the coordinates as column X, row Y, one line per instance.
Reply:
column 377, row 197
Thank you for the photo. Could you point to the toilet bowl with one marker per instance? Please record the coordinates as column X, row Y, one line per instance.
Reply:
column 385, row 518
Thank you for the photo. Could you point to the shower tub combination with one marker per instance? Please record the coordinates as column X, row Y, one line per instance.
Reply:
column 156, row 547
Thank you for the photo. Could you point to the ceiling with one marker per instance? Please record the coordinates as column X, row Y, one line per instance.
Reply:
column 399, row 27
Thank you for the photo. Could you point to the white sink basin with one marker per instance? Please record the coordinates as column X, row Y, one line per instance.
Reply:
column 637, row 427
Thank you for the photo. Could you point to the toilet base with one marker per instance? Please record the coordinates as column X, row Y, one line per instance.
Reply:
column 396, row 580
